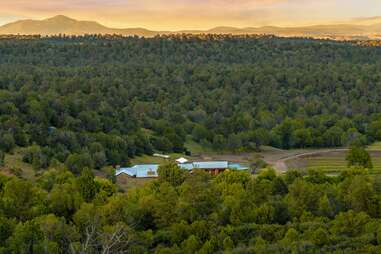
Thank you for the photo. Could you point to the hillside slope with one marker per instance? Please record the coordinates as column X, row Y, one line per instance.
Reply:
column 369, row 29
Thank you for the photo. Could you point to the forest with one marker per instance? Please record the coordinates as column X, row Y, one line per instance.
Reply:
column 76, row 107
column 94, row 101
column 192, row 213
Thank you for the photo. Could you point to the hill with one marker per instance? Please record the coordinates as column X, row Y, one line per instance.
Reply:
column 100, row 101
column 359, row 29
column 65, row 25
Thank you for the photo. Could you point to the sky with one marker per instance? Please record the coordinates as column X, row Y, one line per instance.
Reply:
column 193, row 14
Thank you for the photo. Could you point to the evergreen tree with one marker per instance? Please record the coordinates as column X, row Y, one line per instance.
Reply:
column 87, row 185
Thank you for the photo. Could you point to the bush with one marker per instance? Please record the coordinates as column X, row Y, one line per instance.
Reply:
column 7, row 142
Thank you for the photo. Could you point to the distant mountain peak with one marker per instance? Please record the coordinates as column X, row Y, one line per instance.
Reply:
column 61, row 18
column 61, row 24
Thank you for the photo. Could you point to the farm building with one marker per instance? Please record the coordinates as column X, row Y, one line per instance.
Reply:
column 182, row 160
column 150, row 170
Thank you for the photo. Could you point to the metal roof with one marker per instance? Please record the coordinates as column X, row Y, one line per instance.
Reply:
column 150, row 170
column 127, row 171
column 141, row 171
column 210, row 165
column 238, row 166
column 186, row 166
column 182, row 160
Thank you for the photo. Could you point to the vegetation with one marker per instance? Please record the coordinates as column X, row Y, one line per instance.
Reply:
column 2, row 158
column 358, row 156
column 331, row 163
column 94, row 101
column 71, row 106
column 192, row 213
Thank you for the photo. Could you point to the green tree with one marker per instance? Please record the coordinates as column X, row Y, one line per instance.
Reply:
column 162, row 144
column 349, row 223
column 358, row 156
column 77, row 162
column 285, row 130
column 22, row 200
column 228, row 243
column 87, row 185
column 7, row 142
column 325, row 208
column 65, row 200
column 191, row 245
column 6, row 229
column 200, row 132
column 332, row 137
column 27, row 239
column 171, row 173
column 207, row 248
column 301, row 138
column 279, row 186
column 291, row 236
column 2, row 158
column 320, row 237
column 233, row 176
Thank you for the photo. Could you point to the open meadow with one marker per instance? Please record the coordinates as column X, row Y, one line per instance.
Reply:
column 332, row 162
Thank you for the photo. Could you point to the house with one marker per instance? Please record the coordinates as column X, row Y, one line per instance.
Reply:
column 150, row 170
column 212, row 167
column 140, row 171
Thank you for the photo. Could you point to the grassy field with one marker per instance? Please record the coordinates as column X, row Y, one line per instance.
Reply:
column 334, row 162
column 14, row 163
column 374, row 147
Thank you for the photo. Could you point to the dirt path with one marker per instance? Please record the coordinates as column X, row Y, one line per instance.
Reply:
column 281, row 163
column 277, row 158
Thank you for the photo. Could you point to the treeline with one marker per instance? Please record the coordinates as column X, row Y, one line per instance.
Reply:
column 94, row 101
column 197, row 213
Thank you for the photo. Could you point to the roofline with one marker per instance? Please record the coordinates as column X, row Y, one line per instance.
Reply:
column 189, row 162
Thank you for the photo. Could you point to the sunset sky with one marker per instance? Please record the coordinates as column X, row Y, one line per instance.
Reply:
column 193, row 14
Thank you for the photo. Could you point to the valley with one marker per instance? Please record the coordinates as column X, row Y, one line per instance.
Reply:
column 76, row 109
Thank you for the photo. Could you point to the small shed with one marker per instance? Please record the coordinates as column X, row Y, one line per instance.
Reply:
column 161, row 155
column 182, row 160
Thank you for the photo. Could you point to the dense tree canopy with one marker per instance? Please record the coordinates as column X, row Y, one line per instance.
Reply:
column 91, row 101
column 232, row 212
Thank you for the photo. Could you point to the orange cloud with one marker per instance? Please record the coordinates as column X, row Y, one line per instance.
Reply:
column 193, row 14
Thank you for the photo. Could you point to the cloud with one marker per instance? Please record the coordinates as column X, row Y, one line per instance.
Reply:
column 50, row 5
column 188, row 14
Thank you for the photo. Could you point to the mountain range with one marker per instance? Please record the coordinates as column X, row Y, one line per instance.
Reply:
column 365, row 28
